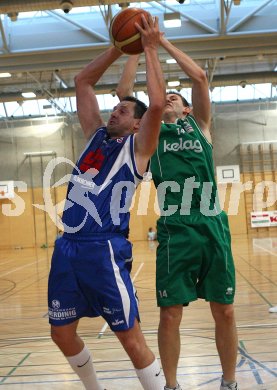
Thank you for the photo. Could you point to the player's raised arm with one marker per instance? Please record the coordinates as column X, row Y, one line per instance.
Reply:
column 87, row 105
column 200, row 88
column 126, row 82
column 146, row 139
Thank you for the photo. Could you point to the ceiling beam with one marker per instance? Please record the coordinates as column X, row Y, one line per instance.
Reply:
column 48, row 44
column 7, row 6
column 217, row 81
column 240, row 22
column 195, row 21
column 4, row 39
column 87, row 30
column 214, row 47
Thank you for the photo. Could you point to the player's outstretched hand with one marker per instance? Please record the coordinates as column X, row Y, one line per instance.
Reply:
column 150, row 33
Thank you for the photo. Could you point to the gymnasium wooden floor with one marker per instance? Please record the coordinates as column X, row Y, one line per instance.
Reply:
column 29, row 359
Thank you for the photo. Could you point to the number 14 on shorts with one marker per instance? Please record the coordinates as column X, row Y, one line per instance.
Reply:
column 163, row 293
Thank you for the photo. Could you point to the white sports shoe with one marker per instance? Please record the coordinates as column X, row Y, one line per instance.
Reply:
column 178, row 387
column 232, row 386
column 273, row 309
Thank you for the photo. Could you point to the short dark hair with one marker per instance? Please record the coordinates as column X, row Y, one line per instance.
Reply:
column 185, row 102
column 140, row 107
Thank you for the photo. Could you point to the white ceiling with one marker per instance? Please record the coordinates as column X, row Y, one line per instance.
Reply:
column 235, row 43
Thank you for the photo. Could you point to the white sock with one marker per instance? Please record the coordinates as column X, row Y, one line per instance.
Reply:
column 227, row 382
column 151, row 377
column 83, row 366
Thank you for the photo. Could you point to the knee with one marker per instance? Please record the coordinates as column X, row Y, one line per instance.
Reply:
column 56, row 336
column 59, row 337
column 224, row 313
column 135, row 347
column 139, row 353
column 134, row 344
column 170, row 317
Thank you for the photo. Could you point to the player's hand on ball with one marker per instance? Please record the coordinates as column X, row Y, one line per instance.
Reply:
column 149, row 31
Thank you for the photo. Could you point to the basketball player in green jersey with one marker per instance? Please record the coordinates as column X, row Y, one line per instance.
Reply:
column 194, row 258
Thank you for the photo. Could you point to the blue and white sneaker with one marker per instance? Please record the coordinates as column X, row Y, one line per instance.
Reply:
column 231, row 386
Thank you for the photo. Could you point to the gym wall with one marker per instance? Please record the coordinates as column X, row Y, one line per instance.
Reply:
column 243, row 134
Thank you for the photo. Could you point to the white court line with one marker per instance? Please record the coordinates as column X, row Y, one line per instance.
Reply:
column 102, row 331
column 19, row 268
column 8, row 261
column 138, row 271
column 32, row 338
column 264, row 249
column 253, row 326
column 257, row 325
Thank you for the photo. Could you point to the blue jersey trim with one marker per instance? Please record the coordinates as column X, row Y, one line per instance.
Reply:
column 132, row 150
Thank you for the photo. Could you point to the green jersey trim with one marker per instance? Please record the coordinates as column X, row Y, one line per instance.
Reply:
column 200, row 131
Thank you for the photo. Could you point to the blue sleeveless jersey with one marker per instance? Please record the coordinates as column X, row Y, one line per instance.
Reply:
column 101, row 188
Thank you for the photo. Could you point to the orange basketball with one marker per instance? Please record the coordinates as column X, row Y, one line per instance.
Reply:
column 123, row 32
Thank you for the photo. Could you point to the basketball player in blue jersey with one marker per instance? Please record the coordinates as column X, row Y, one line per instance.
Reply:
column 194, row 258
column 91, row 263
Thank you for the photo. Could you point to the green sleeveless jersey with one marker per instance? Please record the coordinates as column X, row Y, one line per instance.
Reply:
column 182, row 169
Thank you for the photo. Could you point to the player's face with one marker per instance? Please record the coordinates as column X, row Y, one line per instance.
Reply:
column 122, row 121
column 174, row 108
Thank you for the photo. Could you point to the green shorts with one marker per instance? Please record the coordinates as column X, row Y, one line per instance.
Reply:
column 194, row 260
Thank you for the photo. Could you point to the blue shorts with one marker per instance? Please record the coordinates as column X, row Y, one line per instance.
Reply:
column 91, row 279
